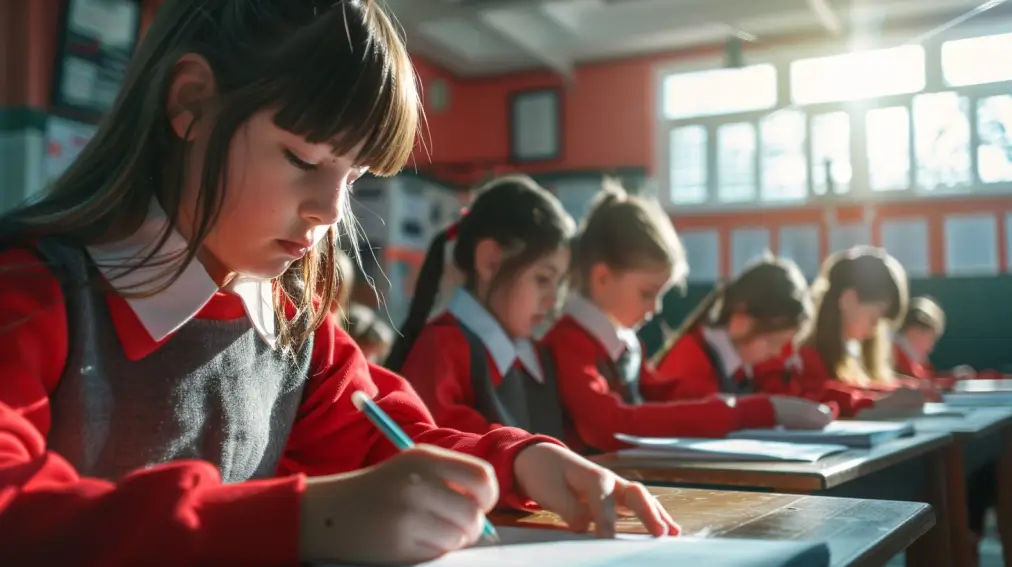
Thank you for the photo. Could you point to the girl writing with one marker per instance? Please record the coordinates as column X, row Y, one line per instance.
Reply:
column 475, row 365
column 923, row 325
column 626, row 257
column 168, row 372
column 843, row 356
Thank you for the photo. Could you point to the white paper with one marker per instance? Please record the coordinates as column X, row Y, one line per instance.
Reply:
column 528, row 547
column 725, row 449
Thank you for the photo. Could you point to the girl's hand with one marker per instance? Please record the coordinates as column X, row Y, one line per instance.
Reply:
column 412, row 508
column 963, row 372
column 582, row 492
column 798, row 413
column 902, row 398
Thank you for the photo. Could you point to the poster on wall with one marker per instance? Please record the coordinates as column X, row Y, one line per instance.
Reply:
column 64, row 141
column 98, row 40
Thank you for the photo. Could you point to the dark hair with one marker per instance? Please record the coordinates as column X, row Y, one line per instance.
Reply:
column 925, row 313
column 332, row 71
column 876, row 277
column 516, row 212
column 626, row 232
column 366, row 328
column 771, row 290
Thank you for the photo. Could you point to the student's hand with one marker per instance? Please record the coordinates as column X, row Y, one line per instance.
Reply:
column 798, row 413
column 964, row 372
column 581, row 492
column 414, row 507
column 902, row 398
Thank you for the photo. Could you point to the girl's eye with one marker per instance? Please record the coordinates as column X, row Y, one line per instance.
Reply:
column 301, row 164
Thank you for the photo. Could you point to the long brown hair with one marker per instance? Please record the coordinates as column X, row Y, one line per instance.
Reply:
column 332, row 71
column 875, row 276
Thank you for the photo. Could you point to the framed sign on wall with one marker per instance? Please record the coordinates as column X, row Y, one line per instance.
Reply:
column 535, row 125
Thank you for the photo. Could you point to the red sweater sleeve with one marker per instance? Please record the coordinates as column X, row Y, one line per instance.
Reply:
column 439, row 369
column 598, row 413
column 331, row 436
column 818, row 384
column 687, row 371
column 175, row 514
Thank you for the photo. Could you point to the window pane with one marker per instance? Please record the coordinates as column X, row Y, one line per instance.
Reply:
column 994, row 125
column 688, row 164
column 736, row 147
column 853, row 76
column 888, row 148
column 942, row 140
column 784, row 165
column 963, row 60
column 720, row 91
column 831, row 150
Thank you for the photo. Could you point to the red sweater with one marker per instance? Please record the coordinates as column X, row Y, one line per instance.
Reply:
column 180, row 513
column 598, row 414
column 688, row 369
column 907, row 366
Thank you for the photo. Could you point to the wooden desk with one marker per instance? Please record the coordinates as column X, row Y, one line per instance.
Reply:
column 983, row 436
column 911, row 469
column 860, row 533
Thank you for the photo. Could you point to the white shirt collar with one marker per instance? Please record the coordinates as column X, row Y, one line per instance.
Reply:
column 504, row 350
column 589, row 316
column 724, row 348
column 165, row 312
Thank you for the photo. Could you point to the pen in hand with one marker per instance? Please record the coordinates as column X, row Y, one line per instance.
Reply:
column 396, row 435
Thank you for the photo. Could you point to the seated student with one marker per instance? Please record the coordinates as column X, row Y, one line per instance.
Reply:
column 372, row 335
column 475, row 365
column 916, row 338
column 843, row 356
column 626, row 257
column 173, row 393
column 740, row 325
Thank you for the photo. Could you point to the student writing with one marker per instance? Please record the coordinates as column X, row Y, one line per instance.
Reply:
column 923, row 325
column 626, row 257
column 476, row 365
column 173, row 391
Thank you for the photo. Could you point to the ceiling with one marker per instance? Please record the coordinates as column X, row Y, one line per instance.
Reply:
column 489, row 37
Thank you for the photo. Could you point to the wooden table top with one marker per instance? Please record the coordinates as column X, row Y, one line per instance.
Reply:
column 860, row 533
column 824, row 474
column 977, row 423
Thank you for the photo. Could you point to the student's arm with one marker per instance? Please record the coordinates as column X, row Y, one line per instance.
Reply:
column 330, row 435
column 177, row 514
column 439, row 369
column 817, row 384
column 598, row 413
column 684, row 374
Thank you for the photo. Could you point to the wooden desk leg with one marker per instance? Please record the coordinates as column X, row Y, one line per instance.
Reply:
column 934, row 549
column 958, row 523
column 1004, row 500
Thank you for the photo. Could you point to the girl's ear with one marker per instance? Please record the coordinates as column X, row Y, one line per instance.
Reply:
column 191, row 89
column 487, row 259
column 739, row 324
column 600, row 276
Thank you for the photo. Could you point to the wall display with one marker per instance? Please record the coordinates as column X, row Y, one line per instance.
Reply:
column 535, row 125
column 64, row 141
column 98, row 39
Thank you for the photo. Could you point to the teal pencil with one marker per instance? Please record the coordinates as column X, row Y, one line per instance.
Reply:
column 396, row 435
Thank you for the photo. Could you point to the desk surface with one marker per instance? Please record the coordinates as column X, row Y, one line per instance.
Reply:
column 780, row 476
column 860, row 533
column 978, row 422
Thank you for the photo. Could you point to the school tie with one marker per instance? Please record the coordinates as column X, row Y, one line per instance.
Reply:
column 629, row 361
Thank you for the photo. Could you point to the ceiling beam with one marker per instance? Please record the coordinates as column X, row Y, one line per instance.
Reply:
column 826, row 16
column 513, row 34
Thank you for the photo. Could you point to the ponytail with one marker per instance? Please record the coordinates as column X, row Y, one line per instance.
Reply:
column 426, row 289
column 709, row 303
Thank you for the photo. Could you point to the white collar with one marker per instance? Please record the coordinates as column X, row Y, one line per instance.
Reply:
column 722, row 345
column 901, row 341
column 167, row 311
column 504, row 350
column 589, row 316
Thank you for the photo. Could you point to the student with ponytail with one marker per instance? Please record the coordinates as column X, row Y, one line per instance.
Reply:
column 626, row 257
column 842, row 357
column 738, row 326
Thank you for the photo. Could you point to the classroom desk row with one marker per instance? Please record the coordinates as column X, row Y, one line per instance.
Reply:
column 930, row 467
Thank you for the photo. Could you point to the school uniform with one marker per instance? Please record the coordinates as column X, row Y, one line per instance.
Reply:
column 178, row 398
column 473, row 377
column 606, row 387
column 704, row 362
column 908, row 362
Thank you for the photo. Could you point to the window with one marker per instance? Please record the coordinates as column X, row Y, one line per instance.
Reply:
column 736, row 152
column 719, row 91
column 784, row 164
column 853, row 76
column 888, row 148
column 831, row 153
column 994, row 126
column 687, row 147
column 942, row 140
column 977, row 60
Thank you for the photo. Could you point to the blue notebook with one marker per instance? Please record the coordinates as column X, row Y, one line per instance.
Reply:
column 978, row 399
column 857, row 434
column 690, row 449
column 529, row 547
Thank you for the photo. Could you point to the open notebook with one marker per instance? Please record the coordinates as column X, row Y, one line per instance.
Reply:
column 927, row 410
column 684, row 448
column 861, row 434
column 978, row 399
column 528, row 547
